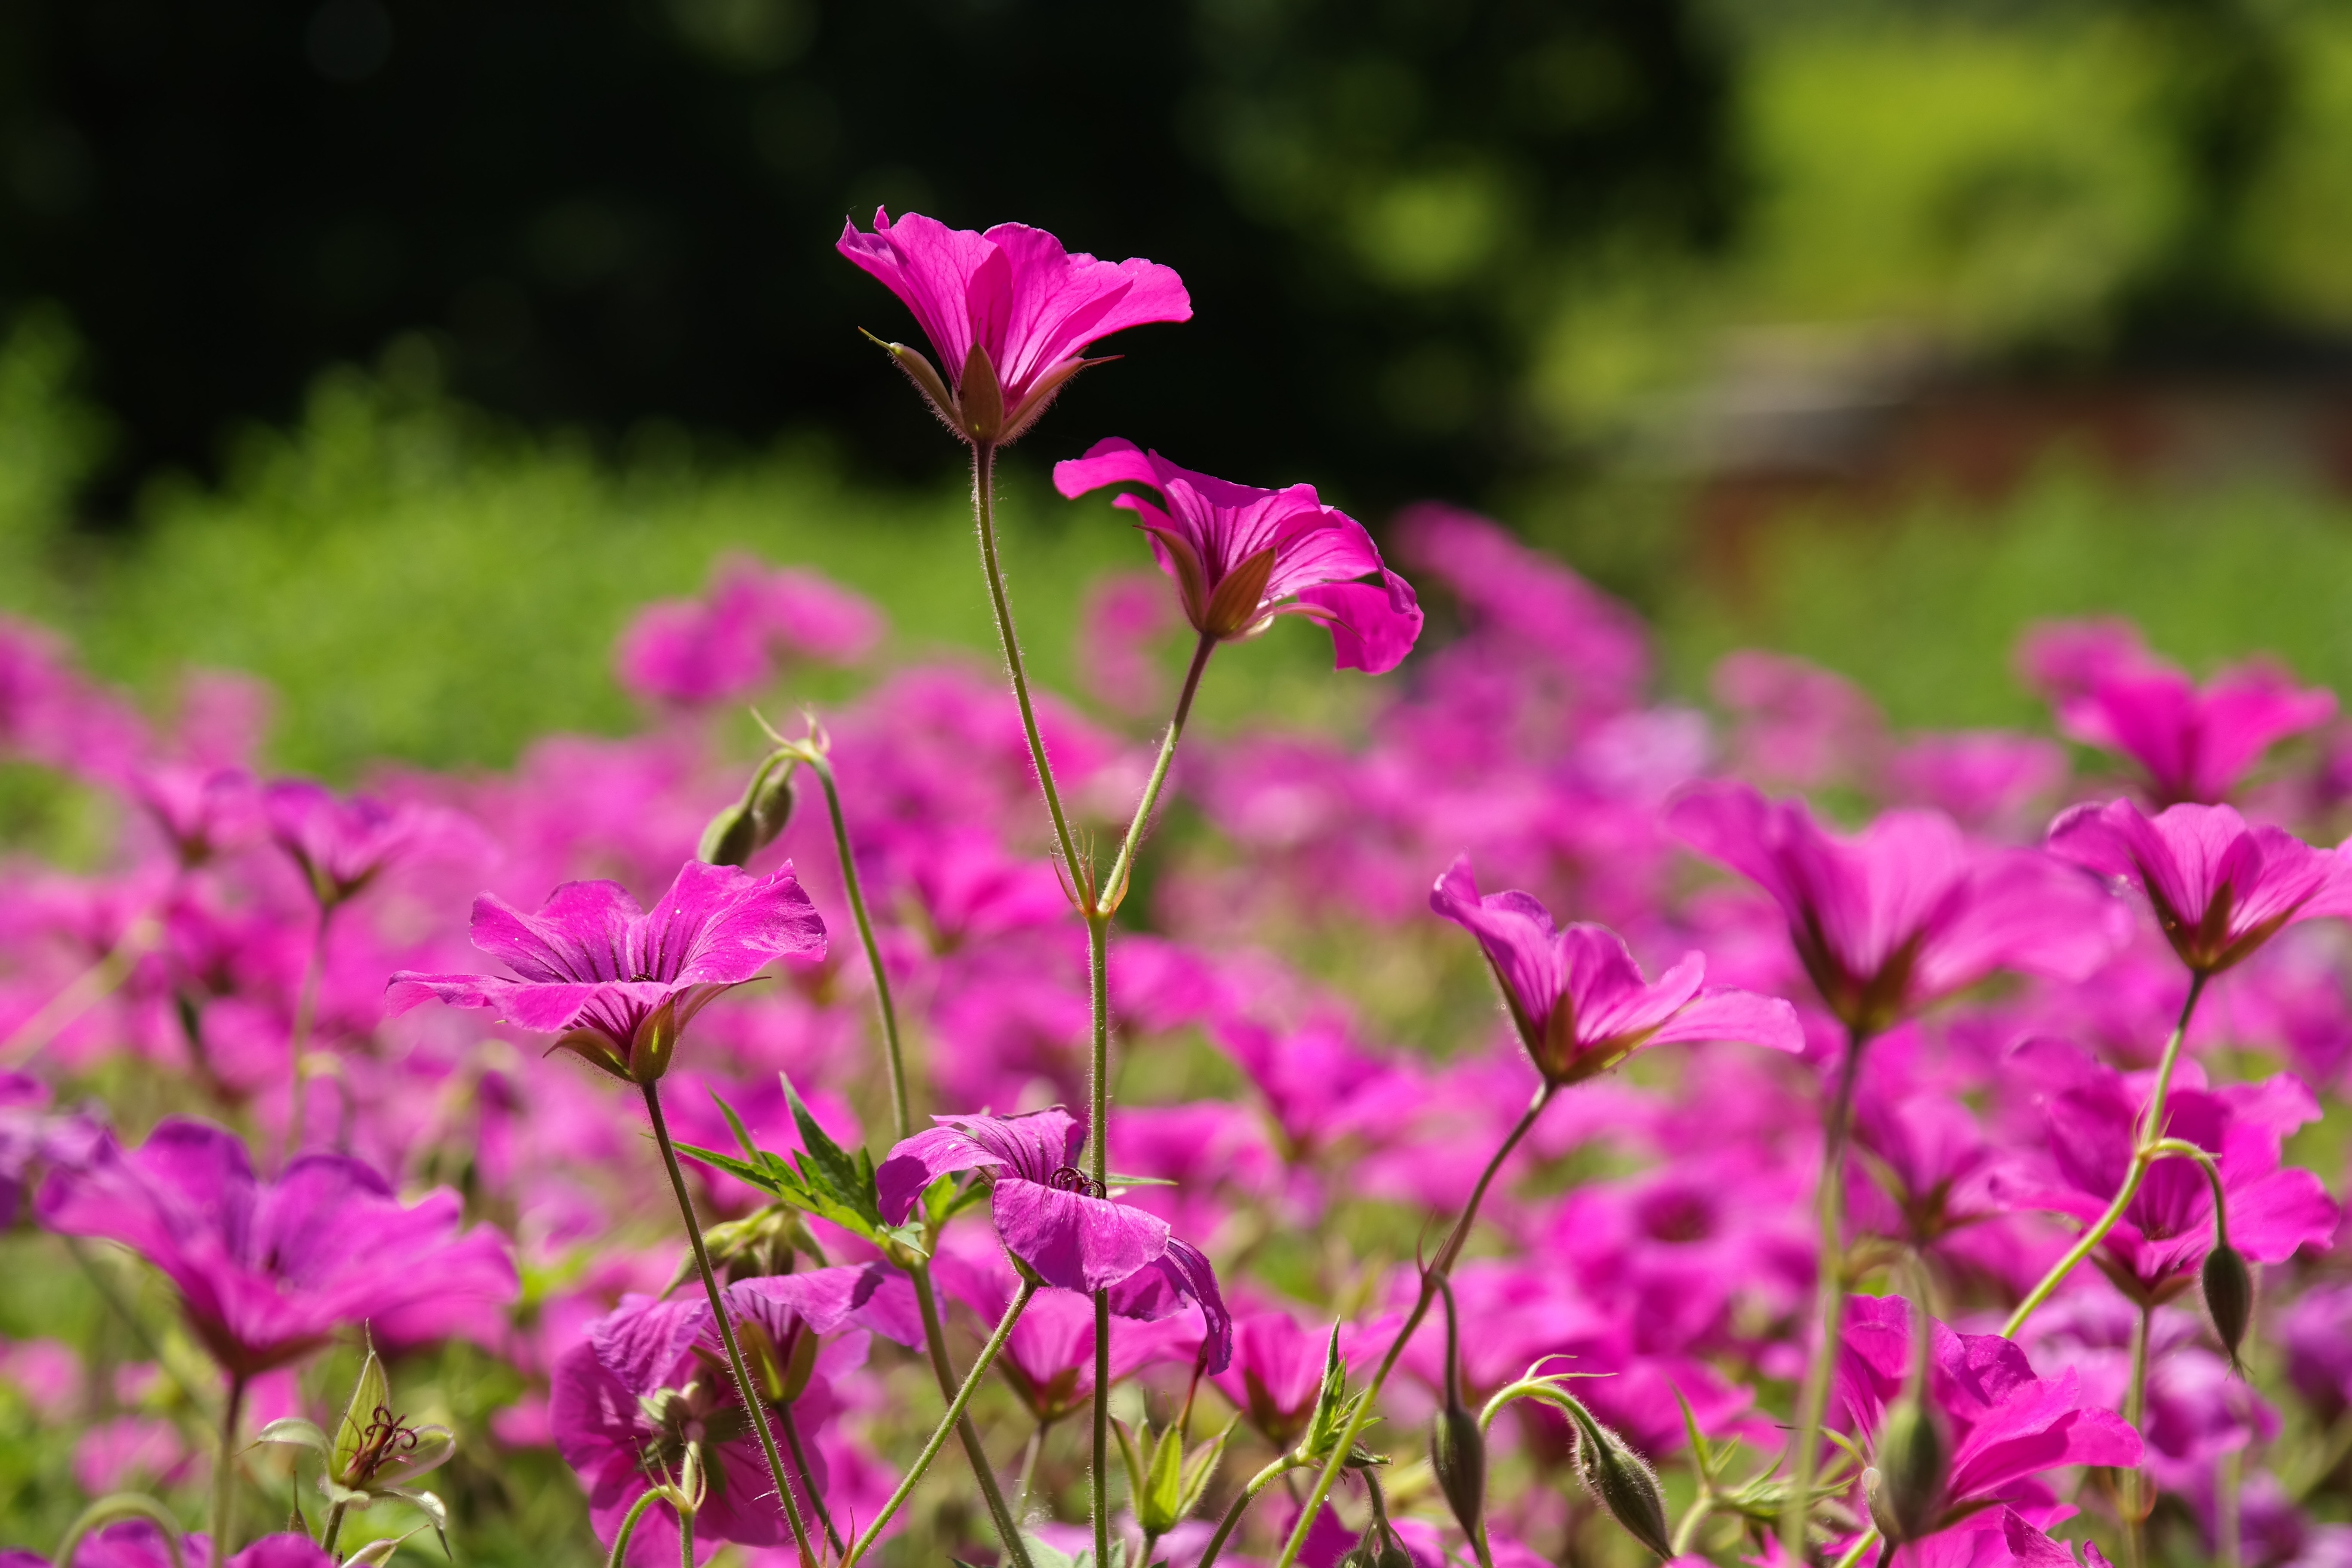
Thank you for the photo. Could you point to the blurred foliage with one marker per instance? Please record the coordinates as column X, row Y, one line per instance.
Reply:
column 613, row 209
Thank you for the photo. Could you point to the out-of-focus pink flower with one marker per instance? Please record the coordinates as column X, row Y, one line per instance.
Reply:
column 131, row 1453
column 1577, row 997
column 203, row 811
column 723, row 645
column 1012, row 302
column 138, row 1543
column 1986, row 780
column 1124, row 614
column 2219, row 888
column 2063, row 659
column 2152, row 1253
column 342, row 844
column 1276, row 1374
column 1906, row 911
column 1050, row 1359
column 268, row 1271
column 2195, row 743
column 1241, row 556
column 2316, row 1333
column 1053, row 1225
column 618, row 985
column 1798, row 726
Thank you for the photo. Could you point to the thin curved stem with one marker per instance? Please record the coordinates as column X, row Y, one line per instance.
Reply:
column 983, row 512
column 901, row 1113
column 745, row 1389
column 1446, row 1254
column 2148, row 1148
column 1828, row 1303
column 645, row 1499
column 82, row 993
column 1859, row 1549
column 1114, row 888
column 1265, row 1477
column 939, row 1437
column 2133, row 1483
column 223, row 1517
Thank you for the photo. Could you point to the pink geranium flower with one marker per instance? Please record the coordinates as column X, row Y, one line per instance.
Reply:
column 267, row 1272
column 2219, row 888
column 1009, row 312
column 1577, row 997
column 618, row 985
column 1053, row 1225
column 344, row 844
column 1241, row 556
column 724, row 643
column 2195, row 743
column 1906, row 911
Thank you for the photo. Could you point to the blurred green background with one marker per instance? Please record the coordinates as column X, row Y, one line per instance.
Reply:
column 1906, row 207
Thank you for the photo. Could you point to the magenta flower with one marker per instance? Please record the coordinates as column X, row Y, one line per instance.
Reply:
column 2007, row 1427
column 2194, row 744
column 1905, row 913
column 1241, row 556
column 138, row 1543
column 342, row 844
column 203, row 811
column 268, row 1271
column 1009, row 312
column 2153, row 1253
column 651, row 1381
column 1577, row 997
column 1277, row 1373
column 1050, row 1359
column 1052, row 1226
column 2219, row 888
column 724, row 643
column 615, row 983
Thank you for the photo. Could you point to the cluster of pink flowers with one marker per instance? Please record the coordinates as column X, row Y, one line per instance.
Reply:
column 1719, row 1197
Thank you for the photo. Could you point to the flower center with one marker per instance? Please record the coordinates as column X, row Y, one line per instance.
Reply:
column 386, row 1434
column 1070, row 1179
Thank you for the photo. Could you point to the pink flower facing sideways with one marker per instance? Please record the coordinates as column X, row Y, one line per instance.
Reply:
column 1052, row 1226
column 1906, row 911
column 1009, row 312
column 267, row 1272
column 2219, row 888
column 2195, row 745
column 618, row 985
column 1241, row 556
column 1577, row 997
column 2007, row 1427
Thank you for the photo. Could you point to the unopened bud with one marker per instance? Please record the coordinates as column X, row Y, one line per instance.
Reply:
column 2229, row 1296
column 1907, row 1486
column 753, row 822
column 1620, row 1482
column 980, row 397
column 1457, row 1452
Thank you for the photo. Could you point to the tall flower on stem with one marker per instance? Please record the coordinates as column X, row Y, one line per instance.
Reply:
column 617, row 985
column 266, row 1272
column 1580, row 1007
column 1885, row 923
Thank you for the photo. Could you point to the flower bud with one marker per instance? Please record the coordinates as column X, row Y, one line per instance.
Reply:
column 1620, row 1482
column 753, row 822
column 2229, row 1296
column 1905, row 1487
column 980, row 397
column 1457, row 1452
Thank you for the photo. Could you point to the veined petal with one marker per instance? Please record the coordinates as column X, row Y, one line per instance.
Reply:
column 1077, row 1242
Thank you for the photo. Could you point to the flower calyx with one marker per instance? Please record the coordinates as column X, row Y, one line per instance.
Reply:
column 375, row 1451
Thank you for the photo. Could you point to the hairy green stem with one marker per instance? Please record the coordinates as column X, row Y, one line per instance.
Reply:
column 2131, row 1483
column 1442, row 1265
column 685, row 1539
column 800, row 1462
column 938, row 1436
column 984, row 512
column 745, row 1389
column 1099, row 1171
column 334, row 1531
column 2147, row 1149
column 1828, row 1303
column 902, row 1119
column 1114, row 887
column 224, row 1517
column 629, row 1527
column 1281, row 1465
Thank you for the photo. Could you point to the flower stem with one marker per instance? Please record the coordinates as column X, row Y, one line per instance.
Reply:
column 800, row 1462
column 902, row 1120
column 685, row 1539
column 947, row 1424
column 1098, row 1170
column 984, row 512
column 1828, row 1303
column 1114, row 887
column 82, row 993
column 225, row 1471
column 2131, row 1483
column 1008, row 1527
column 1282, row 1464
column 334, row 1531
column 2148, row 1139
column 645, row 1499
column 745, row 1388
column 1438, row 1268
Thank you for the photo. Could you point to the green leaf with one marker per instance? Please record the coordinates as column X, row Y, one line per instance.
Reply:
column 1166, row 1484
column 735, row 1125
column 295, row 1432
column 1199, row 1470
column 758, row 1175
column 430, row 1505
column 370, row 1394
column 376, row 1554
